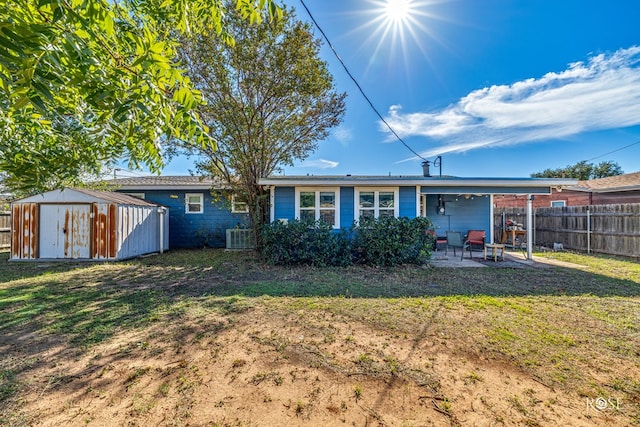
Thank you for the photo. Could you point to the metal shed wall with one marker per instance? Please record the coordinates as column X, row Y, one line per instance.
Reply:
column 78, row 225
column 139, row 230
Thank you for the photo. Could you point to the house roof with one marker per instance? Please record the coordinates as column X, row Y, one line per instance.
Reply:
column 82, row 195
column 445, row 181
column 166, row 182
column 626, row 182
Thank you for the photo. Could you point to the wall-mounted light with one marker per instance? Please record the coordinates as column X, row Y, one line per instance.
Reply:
column 440, row 209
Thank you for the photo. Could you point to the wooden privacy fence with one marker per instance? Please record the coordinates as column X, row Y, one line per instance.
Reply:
column 607, row 229
column 5, row 229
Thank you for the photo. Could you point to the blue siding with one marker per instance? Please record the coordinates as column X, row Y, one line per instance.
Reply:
column 407, row 207
column 285, row 203
column 346, row 206
column 460, row 214
column 196, row 230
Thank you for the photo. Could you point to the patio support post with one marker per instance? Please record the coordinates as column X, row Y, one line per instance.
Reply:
column 529, row 226
column 492, row 225
column 272, row 204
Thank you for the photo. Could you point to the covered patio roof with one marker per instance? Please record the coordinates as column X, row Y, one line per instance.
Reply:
column 493, row 185
column 430, row 185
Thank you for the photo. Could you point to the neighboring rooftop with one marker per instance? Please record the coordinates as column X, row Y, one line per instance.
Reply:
column 626, row 182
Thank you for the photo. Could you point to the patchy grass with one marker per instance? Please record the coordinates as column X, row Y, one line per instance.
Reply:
column 571, row 328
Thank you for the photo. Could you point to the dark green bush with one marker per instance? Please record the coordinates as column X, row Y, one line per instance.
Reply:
column 305, row 243
column 393, row 241
column 384, row 241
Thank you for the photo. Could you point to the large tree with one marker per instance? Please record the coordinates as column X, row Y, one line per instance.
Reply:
column 269, row 100
column 84, row 82
column 582, row 170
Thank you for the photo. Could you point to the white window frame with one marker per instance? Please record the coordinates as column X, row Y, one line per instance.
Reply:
column 235, row 205
column 317, row 191
column 376, row 203
column 554, row 204
column 186, row 203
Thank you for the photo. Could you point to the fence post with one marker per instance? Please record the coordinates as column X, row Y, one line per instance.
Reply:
column 588, row 231
column 529, row 226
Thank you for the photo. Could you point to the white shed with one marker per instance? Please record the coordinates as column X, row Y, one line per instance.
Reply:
column 86, row 225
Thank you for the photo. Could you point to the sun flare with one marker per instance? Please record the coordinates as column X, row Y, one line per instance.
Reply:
column 399, row 27
column 397, row 11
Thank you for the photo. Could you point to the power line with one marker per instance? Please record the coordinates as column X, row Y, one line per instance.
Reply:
column 357, row 84
column 614, row 151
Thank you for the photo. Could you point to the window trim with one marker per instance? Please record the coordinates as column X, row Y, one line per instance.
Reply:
column 186, row 203
column 564, row 203
column 376, row 200
column 317, row 191
column 235, row 203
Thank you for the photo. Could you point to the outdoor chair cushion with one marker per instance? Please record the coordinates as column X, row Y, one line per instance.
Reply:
column 476, row 237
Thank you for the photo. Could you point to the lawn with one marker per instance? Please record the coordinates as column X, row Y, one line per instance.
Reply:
column 209, row 337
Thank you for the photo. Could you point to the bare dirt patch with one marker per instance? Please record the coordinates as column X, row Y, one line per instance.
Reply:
column 261, row 367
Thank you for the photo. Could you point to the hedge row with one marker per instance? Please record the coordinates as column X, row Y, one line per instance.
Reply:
column 385, row 241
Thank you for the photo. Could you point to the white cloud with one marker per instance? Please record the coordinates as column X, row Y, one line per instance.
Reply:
column 343, row 135
column 319, row 164
column 601, row 93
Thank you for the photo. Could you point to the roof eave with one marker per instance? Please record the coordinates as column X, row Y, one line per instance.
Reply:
column 148, row 187
column 424, row 181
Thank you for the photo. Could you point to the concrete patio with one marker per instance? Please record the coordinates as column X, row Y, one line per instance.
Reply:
column 511, row 259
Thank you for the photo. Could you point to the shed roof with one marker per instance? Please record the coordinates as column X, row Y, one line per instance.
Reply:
column 83, row 195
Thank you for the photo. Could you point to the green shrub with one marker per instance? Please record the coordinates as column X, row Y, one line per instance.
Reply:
column 305, row 243
column 393, row 241
column 384, row 241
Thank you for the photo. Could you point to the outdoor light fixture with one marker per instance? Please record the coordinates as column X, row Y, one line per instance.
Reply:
column 440, row 209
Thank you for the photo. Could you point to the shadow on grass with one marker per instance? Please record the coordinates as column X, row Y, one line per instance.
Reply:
column 223, row 273
column 16, row 270
column 442, row 282
column 88, row 303
column 58, row 308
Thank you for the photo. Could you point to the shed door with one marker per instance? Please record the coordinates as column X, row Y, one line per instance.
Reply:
column 65, row 231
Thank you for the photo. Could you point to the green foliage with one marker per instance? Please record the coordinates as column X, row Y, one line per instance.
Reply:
column 269, row 99
column 393, row 241
column 386, row 241
column 87, row 82
column 583, row 171
column 305, row 243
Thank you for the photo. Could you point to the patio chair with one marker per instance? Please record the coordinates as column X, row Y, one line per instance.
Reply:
column 454, row 240
column 474, row 239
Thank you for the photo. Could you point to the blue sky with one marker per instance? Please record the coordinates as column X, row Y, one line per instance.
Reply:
column 498, row 88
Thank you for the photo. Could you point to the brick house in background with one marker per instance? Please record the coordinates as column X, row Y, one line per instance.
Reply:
column 602, row 191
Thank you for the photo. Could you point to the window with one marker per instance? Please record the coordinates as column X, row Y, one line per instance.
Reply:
column 558, row 203
column 376, row 203
column 318, row 204
column 193, row 203
column 239, row 204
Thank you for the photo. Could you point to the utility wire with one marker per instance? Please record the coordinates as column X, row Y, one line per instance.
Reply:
column 614, row 151
column 357, row 84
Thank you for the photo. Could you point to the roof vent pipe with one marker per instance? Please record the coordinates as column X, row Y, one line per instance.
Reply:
column 425, row 169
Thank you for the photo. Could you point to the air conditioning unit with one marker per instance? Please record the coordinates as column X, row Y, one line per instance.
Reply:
column 240, row 238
